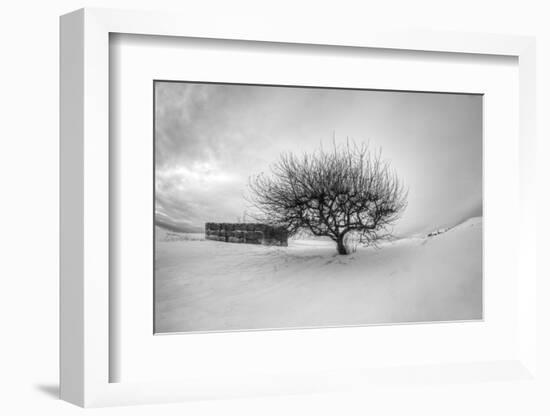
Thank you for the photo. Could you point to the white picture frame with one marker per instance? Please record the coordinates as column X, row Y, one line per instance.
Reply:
column 85, row 163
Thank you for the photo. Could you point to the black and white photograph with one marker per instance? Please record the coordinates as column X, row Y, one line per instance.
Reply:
column 280, row 207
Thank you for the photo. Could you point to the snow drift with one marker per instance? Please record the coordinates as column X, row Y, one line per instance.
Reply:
column 203, row 285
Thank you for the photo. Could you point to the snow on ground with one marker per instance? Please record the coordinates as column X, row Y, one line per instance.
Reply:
column 204, row 285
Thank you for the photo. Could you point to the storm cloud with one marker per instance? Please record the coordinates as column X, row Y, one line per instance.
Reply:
column 210, row 138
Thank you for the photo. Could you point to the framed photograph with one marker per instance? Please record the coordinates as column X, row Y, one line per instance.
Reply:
column 264, row 211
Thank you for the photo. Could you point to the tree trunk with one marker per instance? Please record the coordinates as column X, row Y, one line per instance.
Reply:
column 340, row 245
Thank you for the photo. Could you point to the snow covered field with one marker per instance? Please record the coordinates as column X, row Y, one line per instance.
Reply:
column 203, row 285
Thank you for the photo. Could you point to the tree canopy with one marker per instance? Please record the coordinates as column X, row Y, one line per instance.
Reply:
column 347, row 190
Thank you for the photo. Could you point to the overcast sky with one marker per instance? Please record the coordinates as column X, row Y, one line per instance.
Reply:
column 210, row 138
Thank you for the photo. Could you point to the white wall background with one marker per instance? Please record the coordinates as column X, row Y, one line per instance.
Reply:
column 29, row 210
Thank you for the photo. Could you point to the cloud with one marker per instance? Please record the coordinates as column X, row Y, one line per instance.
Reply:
column 210, row 138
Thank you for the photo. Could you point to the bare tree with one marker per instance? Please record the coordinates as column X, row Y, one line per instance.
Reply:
column 347, row 190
